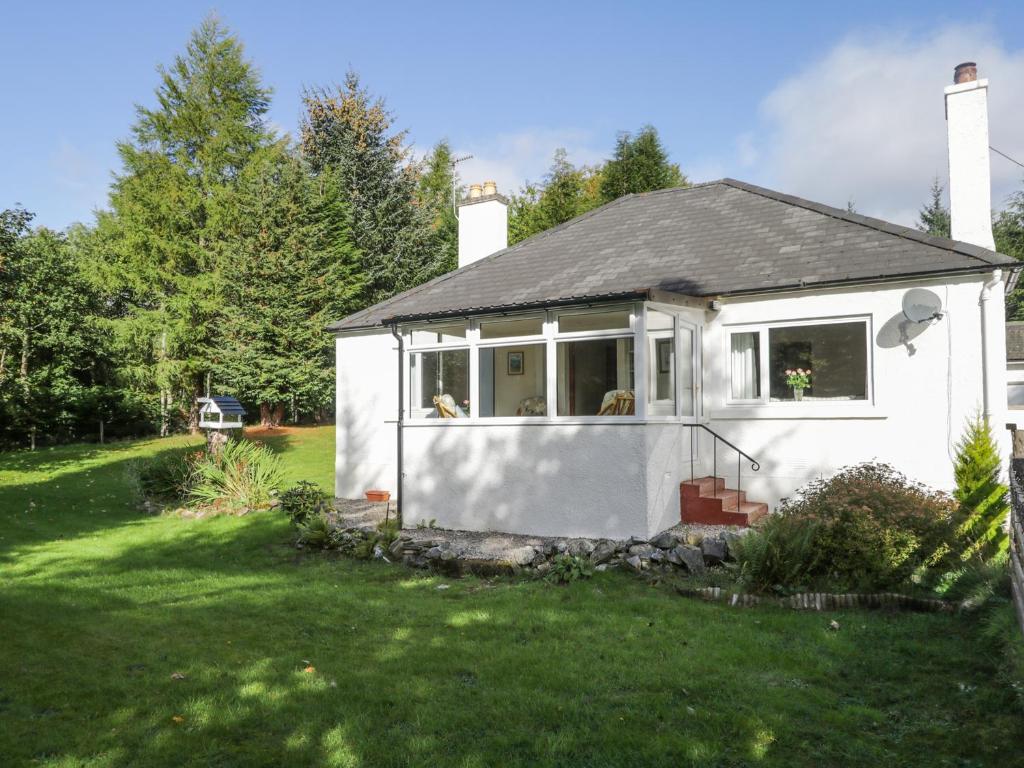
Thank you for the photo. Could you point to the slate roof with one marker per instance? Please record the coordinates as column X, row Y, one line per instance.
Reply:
column 717, row 239
column 1015, row 341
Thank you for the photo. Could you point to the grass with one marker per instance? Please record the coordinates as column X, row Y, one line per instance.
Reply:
column 299, row 659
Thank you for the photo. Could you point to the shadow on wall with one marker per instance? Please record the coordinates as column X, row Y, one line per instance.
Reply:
column 542, row 479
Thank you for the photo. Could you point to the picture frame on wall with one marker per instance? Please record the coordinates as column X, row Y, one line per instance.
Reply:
column 516, row 364
column 664, row 355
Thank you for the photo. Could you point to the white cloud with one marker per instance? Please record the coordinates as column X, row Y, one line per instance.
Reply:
column 512, row 159
column 867, row 121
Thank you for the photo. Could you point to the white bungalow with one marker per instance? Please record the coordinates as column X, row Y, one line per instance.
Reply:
column 577, row 382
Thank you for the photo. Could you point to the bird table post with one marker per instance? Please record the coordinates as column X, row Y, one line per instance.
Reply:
column 221, row 417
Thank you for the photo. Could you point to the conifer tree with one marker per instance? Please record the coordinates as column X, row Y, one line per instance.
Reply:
column 934, row 216
column 347, row 131
column 640, row 164
column 184, row 155
column 439, row 189
column 566, row 192
column 981, row 498
column 289, row 269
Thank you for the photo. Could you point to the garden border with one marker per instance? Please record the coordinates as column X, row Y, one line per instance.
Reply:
column 825, row 601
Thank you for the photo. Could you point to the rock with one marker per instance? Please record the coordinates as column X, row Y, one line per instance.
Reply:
column 378, row 552
column 275, row 503
column 694, row 539
column 665, row 540
column 561, row 545
column 635, row 540
column 434, row 553
column 657, row 556
column 673, row 557
column 603, row 552
column 523, row 555
column 691, row 558
column 713, row 550
column 729, row 538
column 397, row 547
column 538, row 559
column 580, row 547
column 833, row 625
column 643, row 549
column 601, row 568
column 447, row 555
column 635, row 563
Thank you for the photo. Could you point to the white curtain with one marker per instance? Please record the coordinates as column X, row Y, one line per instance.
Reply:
column 745, row 366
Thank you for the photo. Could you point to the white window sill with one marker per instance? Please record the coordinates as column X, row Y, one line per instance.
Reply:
column 801, row 410
column 541, row 421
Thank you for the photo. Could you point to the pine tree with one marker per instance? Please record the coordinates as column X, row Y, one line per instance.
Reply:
column 161, row 234
column 640, row 164
column 438, row 190
column 290, row 268
column 981, row 498
column 348, row 131
column 934, row 216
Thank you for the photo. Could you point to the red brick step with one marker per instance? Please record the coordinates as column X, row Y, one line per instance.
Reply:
column 706, row 500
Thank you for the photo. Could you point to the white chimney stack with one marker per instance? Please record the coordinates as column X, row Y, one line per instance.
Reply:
column 483, row 223
column 970, row 184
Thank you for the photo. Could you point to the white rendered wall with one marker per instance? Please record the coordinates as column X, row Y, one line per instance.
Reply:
column 483, row 229
column 923, row 395
column 970, row 196
column 367, row 412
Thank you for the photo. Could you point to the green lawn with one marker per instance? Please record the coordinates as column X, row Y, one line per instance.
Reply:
column 297, row 659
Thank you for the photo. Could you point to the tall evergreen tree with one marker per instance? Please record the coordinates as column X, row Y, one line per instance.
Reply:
column 1008, row 230
column 640, row 164
column 439, row 188
column 934, row 216
column 183, row 156
column 289, row 268
column 347, row 131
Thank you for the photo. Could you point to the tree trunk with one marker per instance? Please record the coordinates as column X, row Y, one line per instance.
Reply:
column 101, row 431
column 271, row 414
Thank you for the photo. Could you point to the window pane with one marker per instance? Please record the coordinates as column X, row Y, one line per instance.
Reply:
column 440, row 374
column 595, row 377
column 438, row 334
column 1015, row 393
column 684, row 367
column 594, row 321
column 499, row 329
column 835, row 354
column 513, row 381
column 745, row 351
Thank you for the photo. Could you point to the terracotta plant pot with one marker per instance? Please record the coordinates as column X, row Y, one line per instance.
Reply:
column 375, row 495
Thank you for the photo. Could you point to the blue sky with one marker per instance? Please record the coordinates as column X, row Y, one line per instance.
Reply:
column 831, row 101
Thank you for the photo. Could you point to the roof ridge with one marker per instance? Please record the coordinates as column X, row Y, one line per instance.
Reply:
column 881, row 225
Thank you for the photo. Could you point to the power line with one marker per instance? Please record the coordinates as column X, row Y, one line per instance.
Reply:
column 1017, row 162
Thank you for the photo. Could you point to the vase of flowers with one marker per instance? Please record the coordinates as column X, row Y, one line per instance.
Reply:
column 799, row 379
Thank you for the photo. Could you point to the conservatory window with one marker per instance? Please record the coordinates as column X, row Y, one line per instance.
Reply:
column 446, row 333
column 595, row 377
column 574, row 322
column 661, row 351
column 505, row 328
column 443, row 374
column 513, row 381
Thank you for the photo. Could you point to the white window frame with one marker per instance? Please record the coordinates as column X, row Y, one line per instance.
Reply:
column 764, row 400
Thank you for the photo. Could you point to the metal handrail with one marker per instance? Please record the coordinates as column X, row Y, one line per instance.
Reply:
column 740, row 455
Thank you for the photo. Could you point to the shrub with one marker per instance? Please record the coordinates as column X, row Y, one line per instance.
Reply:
column 781, row 556
column 170, row 475
column 316, row 531
column 981, row 498
column 303, row 500
column 242, row 474
column 566, row 569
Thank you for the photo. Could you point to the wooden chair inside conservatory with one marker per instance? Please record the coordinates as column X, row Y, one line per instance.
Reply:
column 618, row 402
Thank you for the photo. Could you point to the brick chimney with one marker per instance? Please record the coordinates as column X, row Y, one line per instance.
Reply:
column 970, row 184
column 483, row 223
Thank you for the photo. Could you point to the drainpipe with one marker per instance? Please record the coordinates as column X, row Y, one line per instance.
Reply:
column 401, row 421
column 989, row 356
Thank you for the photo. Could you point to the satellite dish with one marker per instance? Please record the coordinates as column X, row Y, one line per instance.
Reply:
column 921, row 306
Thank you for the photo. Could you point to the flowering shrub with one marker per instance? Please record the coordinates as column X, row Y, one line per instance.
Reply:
column 798, row 378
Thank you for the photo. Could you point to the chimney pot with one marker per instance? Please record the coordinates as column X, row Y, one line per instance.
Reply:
column 475, row 191
column 490, row 188
column 965, row 73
